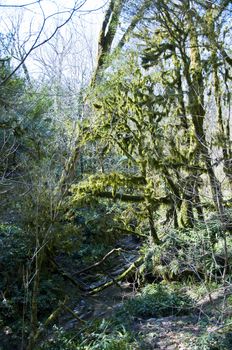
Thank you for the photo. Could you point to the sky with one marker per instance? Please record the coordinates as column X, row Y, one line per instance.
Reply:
column 80, row 34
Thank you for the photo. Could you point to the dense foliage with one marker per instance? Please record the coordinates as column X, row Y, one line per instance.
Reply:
column 143, row 150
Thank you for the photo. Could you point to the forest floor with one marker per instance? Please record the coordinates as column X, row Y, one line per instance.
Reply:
column 183, row 332
column 170, row 333
column 164, row 333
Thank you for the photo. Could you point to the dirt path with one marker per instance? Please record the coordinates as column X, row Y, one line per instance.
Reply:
column 183, row 332
column 170, row 333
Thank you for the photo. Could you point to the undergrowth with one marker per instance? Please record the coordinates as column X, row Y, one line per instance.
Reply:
column 100, row 335
column 159, row 300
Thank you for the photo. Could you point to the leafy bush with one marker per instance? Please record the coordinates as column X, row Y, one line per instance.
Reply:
column 16, row 247
column 197, row 253
column 159, row 301
column 14, row 252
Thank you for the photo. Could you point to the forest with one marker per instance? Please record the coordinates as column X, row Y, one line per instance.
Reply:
column 116, row 175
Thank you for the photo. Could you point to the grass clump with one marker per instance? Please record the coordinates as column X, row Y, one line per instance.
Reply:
column 103, row 335
column 159, row 300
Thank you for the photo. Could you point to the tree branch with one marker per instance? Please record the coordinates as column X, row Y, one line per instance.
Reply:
column 35, row 45
column 20, row 6
column 118, row 250
column 135, row 20
column 120, row 196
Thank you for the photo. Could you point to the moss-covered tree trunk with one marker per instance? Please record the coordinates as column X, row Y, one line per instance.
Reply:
column 196, row 107
column 190, row 195
column 107, row 35
column 224, row 135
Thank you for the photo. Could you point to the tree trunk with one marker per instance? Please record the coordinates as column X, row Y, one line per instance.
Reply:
column 196, row 107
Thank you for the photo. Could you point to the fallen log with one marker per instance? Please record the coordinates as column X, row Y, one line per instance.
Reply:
column 118, row 250
column 66, row 308
column 124, row 274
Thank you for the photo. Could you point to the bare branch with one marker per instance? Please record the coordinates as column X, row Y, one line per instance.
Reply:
column 22, row 5
column 36, row 44
column 118, row 250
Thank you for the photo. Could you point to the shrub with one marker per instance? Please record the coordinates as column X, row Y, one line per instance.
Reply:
column 185, row 254
column 14, row 251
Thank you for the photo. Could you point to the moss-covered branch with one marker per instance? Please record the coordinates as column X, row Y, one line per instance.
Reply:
column 131, row 269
